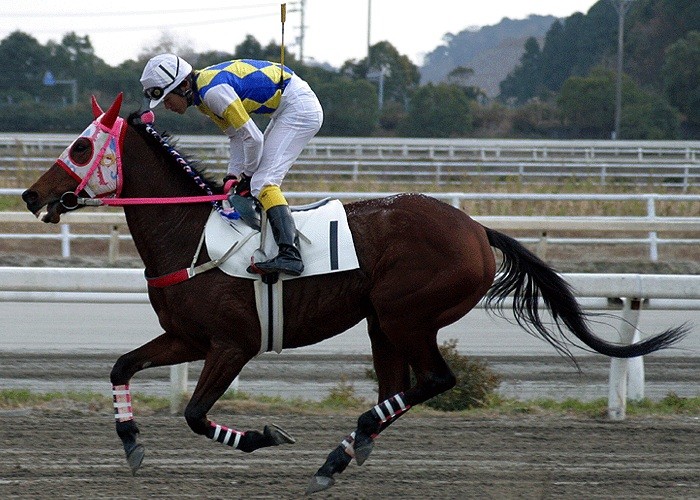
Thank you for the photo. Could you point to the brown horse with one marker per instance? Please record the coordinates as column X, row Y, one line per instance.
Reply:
column 423, row 265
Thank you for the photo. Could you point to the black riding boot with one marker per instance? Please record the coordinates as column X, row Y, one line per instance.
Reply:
column 288, row 259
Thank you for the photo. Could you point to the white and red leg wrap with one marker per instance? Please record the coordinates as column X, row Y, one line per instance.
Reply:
column 226, row 436
column 390, row 408
column 121, row 397
column 349, row 444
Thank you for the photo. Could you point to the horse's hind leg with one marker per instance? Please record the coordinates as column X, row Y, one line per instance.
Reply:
column 393, row 377
column 163, row 350
column 433, row 377
column 221, row 366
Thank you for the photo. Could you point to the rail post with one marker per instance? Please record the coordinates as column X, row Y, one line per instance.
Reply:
column 113, row 252
column 65, row 241
column 653, row 238
column 178, row 386
column 626, row 375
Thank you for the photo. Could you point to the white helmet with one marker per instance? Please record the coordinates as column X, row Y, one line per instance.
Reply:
column 161, row 75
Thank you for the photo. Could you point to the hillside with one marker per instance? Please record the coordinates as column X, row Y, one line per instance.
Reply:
column 491, row 51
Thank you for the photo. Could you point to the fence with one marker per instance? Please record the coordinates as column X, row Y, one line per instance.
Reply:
column 673, row 164
column 543, row 226
column 21, row 284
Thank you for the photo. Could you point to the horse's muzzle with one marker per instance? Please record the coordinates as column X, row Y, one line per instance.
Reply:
column 32, row 200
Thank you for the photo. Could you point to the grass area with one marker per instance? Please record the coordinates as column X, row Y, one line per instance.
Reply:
column 343, row 399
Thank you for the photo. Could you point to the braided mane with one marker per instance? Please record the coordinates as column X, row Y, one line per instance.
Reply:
column 166, row 143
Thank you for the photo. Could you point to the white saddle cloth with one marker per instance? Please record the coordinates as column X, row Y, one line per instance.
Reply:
column 325, row 242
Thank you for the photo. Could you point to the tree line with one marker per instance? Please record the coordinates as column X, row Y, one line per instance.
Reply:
column 563, row 89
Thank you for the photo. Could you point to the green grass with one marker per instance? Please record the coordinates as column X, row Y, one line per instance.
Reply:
column 344, row 400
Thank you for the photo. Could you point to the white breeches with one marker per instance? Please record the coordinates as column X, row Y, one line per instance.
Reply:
column 293, row 124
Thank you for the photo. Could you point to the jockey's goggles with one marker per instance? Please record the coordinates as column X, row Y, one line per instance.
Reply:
column 155, row 93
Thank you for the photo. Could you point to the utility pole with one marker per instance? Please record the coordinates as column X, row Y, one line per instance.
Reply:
column 622, row 6
column 369, row 29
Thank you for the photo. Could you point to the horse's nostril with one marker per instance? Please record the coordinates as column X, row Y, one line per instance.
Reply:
column 29, row 196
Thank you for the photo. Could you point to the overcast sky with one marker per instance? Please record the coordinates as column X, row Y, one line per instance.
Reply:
column 335, row 30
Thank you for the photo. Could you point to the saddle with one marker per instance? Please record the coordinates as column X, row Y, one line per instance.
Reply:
column 325, row 240
column 325, row 243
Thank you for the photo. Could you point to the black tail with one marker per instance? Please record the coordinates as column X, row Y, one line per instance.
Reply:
column 528, row 278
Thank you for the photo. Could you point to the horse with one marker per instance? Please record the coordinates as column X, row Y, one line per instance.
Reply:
column 423, row 265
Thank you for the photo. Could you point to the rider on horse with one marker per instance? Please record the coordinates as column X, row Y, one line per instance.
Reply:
column 228, row 93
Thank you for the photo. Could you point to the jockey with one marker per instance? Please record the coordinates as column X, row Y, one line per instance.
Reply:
column 229, row 93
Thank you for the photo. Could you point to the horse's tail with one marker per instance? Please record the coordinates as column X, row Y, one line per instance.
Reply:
column 528, row 278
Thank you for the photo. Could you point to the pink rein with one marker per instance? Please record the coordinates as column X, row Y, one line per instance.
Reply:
column 160, row 201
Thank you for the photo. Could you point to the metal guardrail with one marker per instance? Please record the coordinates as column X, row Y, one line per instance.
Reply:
column 542, row 226
column 431, row 161
column 638, row 291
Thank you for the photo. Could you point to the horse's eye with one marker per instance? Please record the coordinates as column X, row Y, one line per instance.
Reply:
column 81, row 151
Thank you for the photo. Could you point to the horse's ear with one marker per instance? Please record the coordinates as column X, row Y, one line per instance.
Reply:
column 96, row 109
column 113, row 112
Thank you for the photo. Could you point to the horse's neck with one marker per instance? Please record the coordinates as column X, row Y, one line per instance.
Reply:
column 166, row 236
column 166, row 239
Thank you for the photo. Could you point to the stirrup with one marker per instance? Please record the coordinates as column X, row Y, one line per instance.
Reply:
column 255, row 268
column 245, row 206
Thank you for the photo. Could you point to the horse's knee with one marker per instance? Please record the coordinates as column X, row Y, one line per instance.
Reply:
column 120, row 373
column 196, row 419
column 429, row 386
column 444, row 382
column 438, row 383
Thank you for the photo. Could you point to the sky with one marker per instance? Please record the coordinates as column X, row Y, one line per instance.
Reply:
column 336, row 30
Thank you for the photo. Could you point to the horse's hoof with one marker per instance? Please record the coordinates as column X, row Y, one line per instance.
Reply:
column 362, row 451
column 135, row 457
column 278, row 435
column 319, row 483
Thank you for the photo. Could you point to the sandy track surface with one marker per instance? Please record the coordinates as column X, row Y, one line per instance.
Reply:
column 76, row 454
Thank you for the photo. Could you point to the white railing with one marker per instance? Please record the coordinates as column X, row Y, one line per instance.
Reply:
column 650, row 224
column 637, row 291
column 430, row 161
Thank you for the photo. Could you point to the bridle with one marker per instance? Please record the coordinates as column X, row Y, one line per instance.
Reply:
column 102, row 179
column 101, row 175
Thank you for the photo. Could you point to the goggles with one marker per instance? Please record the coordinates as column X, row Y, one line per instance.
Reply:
column 156, row 93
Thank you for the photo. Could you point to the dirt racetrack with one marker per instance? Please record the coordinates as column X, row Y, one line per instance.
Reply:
column 75, row 453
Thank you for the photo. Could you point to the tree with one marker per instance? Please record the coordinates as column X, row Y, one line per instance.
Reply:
column 25, row 61
column 403, row 76
column 571, row 47
column 349, row 107
column 654, row 25
column 525, row 80
column 587, row 104
column 438, row 110
column 681, row 76
column 250, row 48
column 460, row 76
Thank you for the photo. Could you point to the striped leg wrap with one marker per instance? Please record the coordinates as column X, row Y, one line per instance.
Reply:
column 121, row 397
column 348, row 443
column 390, row 408
column 224, row 435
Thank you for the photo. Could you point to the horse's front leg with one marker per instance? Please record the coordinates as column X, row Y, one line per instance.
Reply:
column 221, row 366
column 161, row 351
